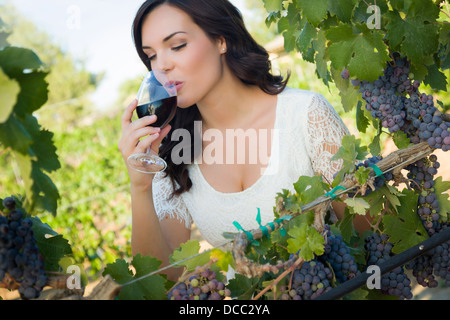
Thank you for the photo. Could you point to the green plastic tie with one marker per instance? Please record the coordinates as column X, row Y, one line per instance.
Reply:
column 378, row 172
column 331, row 193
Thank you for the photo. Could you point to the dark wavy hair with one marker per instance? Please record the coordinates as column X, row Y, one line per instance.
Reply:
column 248, row 60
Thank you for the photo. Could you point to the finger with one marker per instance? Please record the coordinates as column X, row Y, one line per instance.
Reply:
column 145, row 143
column 142, row 132
column 128, row 114
column 143, row 122
column 164, row 131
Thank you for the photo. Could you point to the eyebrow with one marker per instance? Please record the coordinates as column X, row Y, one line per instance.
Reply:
column 166, row 38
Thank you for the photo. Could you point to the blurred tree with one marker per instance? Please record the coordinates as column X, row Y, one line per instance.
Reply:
column 69, row 81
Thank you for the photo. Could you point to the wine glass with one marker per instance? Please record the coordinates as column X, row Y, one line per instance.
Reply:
column 156, row 96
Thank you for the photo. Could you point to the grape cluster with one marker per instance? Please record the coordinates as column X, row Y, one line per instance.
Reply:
column 421, row 175
column 395, row 282
column 309, row 280
column 434, row 262
column 19, row 254
column 338, row 255
column 395, row 100
column 201, row 286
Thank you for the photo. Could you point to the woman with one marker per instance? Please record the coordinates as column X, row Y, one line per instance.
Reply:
column 224, row 83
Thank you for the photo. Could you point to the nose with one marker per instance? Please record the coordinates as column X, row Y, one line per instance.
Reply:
column 163, row 62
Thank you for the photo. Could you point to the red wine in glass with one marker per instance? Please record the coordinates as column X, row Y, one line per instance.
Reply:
column 164, row 109
column 157, row 96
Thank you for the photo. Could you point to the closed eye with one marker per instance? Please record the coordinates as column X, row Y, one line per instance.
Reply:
column 179, row 47
column 174, row 49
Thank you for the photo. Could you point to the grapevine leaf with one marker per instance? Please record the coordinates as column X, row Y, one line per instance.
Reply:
column 357, row 205
column 306, row 239
column 41, row 192
column 13, row 134
column 320, row 57
column 43, row 149
column 310, row 188
column 348, row 93
column 15, row 60
column 52, row 246
column 435, row 78
column 349, row 152
column 343, row 9
column 412, row 35
column 24, row 65
column 305, row 38
column 441, row 190
column 148, row 288
column 314, row 11
column 374, row 146
column 362, row 122
column 346, row 226
column 9, row 90
column 378, row 198
column 187, row 250
column 362, row 174
column 361, row 51
column 224, row 259
column 273, row 5
column 242, row 288
column 406, row 228
column 401, row 140
column 290, row 39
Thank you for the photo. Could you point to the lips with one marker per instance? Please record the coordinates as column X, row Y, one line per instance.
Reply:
column 179, row 85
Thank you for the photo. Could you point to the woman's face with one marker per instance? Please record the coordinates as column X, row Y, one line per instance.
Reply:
column 174, row 43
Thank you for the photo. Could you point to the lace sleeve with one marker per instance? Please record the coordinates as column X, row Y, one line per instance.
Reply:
column 324, row 131
column 167, row 207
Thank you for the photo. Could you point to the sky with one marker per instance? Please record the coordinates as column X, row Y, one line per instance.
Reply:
column 97, row 31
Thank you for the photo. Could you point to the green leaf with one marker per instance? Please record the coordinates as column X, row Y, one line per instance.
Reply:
column 52, row 246
column 24, row 66
column 401, row 140
column 321, row 57
column 435, row 78
column 243, row 288
column 374, row 146
column 360, row 50
column 14, row 60
column 412, row 35
column 43, row 150
column 273, row 5
column 441, row 190
column 225, row 259
column 362, row 174
column 346, row 226
column 9, row 90
column 349, row 152
column 187, row 250
column 310, row 188
column 349, row 94
column 314, row 11
column 357, row 205
column 306, row 239
column 306, row 37
column 343, row 9
column 41, row 192
column 362, row 122
column 405, row 229
column 14, row 135
column 148, row 288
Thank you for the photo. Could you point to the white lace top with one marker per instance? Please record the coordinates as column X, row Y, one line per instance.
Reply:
column 309, row 134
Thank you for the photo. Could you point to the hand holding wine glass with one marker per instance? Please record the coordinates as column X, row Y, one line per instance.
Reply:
column 156, row 96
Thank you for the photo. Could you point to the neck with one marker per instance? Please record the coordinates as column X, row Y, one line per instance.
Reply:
column 230, row 105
